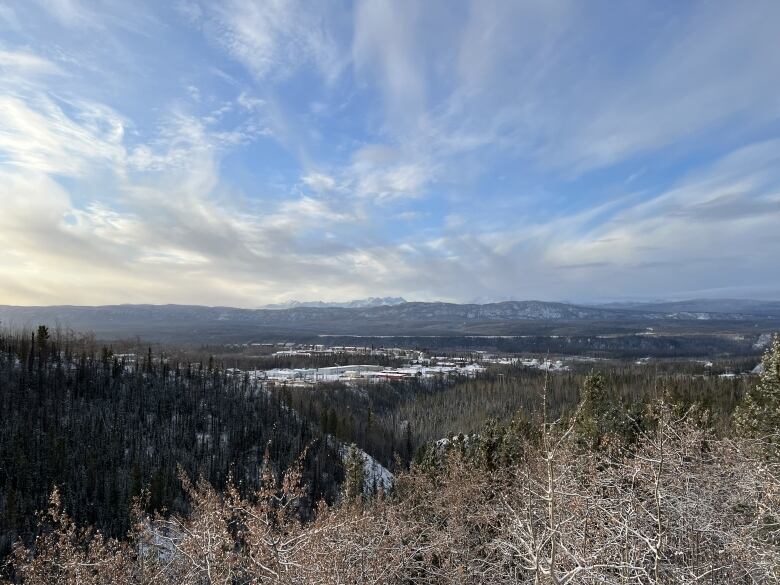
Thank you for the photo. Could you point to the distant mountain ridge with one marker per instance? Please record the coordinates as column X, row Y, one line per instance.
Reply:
column 727, row 306
column 355, row 304
column 185, row 322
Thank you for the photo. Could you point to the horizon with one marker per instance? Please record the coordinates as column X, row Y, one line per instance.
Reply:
column 330, row 304
column 242, row 154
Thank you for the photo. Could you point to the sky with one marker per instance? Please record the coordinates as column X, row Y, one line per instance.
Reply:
column 250, row 152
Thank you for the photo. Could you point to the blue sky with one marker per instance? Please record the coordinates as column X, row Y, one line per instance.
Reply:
column 244, row 153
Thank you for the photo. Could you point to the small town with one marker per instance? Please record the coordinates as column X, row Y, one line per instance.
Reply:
column 418, row 365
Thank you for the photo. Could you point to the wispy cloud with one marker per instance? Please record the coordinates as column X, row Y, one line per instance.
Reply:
column 19, row 64
column 251, row 152
column 38, row 134
column 272, row 38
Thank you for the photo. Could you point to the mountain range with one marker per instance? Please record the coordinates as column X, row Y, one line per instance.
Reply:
column 355, row 304
column 200, row 323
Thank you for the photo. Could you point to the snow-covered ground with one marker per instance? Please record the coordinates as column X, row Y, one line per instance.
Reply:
column 369, row 373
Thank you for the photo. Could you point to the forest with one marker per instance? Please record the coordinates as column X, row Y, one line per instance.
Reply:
column 76, row 416
column 173, row 468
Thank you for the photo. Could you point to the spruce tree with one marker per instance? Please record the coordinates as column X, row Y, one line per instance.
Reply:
column 354, row 474
column 596, row 411
column 42, row 341
column 758, row 415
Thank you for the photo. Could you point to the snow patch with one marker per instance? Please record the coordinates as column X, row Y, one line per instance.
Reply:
column 376, row 474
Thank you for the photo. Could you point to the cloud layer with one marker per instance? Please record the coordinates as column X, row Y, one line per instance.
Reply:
column 253, row 152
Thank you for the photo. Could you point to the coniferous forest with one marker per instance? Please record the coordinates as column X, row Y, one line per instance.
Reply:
column 78, row 417
column 389, row 292
column 626, row 475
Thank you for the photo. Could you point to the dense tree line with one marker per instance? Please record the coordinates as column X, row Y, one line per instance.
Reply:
column 367, row 415
column 107, row 429
column 651, row 494
column 555, row 339
column 463, row 407
column 396, row 419
column 103, row 429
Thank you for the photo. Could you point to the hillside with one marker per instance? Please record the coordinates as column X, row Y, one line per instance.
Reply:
column 182, row 322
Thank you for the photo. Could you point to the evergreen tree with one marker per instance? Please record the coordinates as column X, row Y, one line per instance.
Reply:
column 758, row 416
column 354, row 473
column 599, row 414
column 408, row 440
column 42, row 340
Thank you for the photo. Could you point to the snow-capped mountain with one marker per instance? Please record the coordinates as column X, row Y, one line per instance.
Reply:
column 354, row 304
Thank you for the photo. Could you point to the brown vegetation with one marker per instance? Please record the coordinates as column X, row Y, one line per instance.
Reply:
column 680, row 506
column 603, row 495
